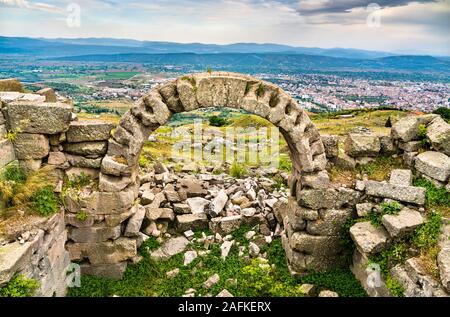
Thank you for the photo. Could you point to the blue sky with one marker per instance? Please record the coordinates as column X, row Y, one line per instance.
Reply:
column 399, row 25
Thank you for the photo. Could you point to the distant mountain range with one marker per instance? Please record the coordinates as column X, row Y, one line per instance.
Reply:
column 60, row 47
column 279, row 61
column 243, row 57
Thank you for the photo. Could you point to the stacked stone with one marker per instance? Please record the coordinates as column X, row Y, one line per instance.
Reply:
column 370, row 240
column 6, row 147
column 313, row 222
column 82, row 148
column 39, row 254
column 433, row 165
column 33, row 124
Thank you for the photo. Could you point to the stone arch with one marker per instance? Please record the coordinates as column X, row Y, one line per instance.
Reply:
column 118, row 183
column 216, row 89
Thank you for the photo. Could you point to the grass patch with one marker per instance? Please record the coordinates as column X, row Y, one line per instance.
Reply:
column 45, row 201
column 30, row 192
column 237, row 170
column 436, row 197
column 19, row 286
column 381, row 167
column 242, row 278
column 396, row 289
column 427, row 234
column 341, row 281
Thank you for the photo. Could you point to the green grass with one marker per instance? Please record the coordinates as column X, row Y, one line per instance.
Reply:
column 396, row 289
column 341, row 281
column 45, row 202
column 381, row 167
column 435, row 196
column 239, row 276
column 117, row 75
column 238, row 170
column 427, row 235
column 19, row 286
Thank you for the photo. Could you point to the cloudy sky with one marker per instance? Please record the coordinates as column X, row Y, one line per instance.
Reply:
column 420, row 26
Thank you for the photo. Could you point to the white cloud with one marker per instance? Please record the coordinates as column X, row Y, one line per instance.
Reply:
column 40, row 6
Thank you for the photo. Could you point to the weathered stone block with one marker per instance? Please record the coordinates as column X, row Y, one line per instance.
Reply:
column 134, row 224
column 86, row 148
column 110, row 271
column 7, row 153
column 362, row 144
column 315, row 245
column 403, row 223
column 96, row 233
column 433, row 164
column 31, row 146
column 81, row 161
column 328, row 198
column 406, row 129
column 330, row 222
column 191, row 222
column 369, row 239
column 91, row 130
column 48, row 93
column 438, row 131
column 411, row 146
column 330, row 142
column 401, row 177
column 409, row 194
column 108, row 252
column 40, row 118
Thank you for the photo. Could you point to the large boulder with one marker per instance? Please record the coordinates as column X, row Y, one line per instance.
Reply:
column 82, row 131
column 433, row 164
column 406, row 129
column 362, row 144
column 39, row 117
column 31, row 146
column 439, row 134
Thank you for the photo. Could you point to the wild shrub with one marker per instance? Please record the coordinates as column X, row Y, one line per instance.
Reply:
column 19, row 286
column 237, row 170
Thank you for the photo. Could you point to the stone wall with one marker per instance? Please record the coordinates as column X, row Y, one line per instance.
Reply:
column 38, row 253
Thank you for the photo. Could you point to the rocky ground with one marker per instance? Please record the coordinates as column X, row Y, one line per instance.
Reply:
column 210, row 234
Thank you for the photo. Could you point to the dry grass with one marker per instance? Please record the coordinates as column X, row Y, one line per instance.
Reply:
column 374, row 120
column 11, row 85
column 341, row 176
column 428, row 261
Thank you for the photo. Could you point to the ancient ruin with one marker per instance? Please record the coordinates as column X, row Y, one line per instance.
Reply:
column 310, row 220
